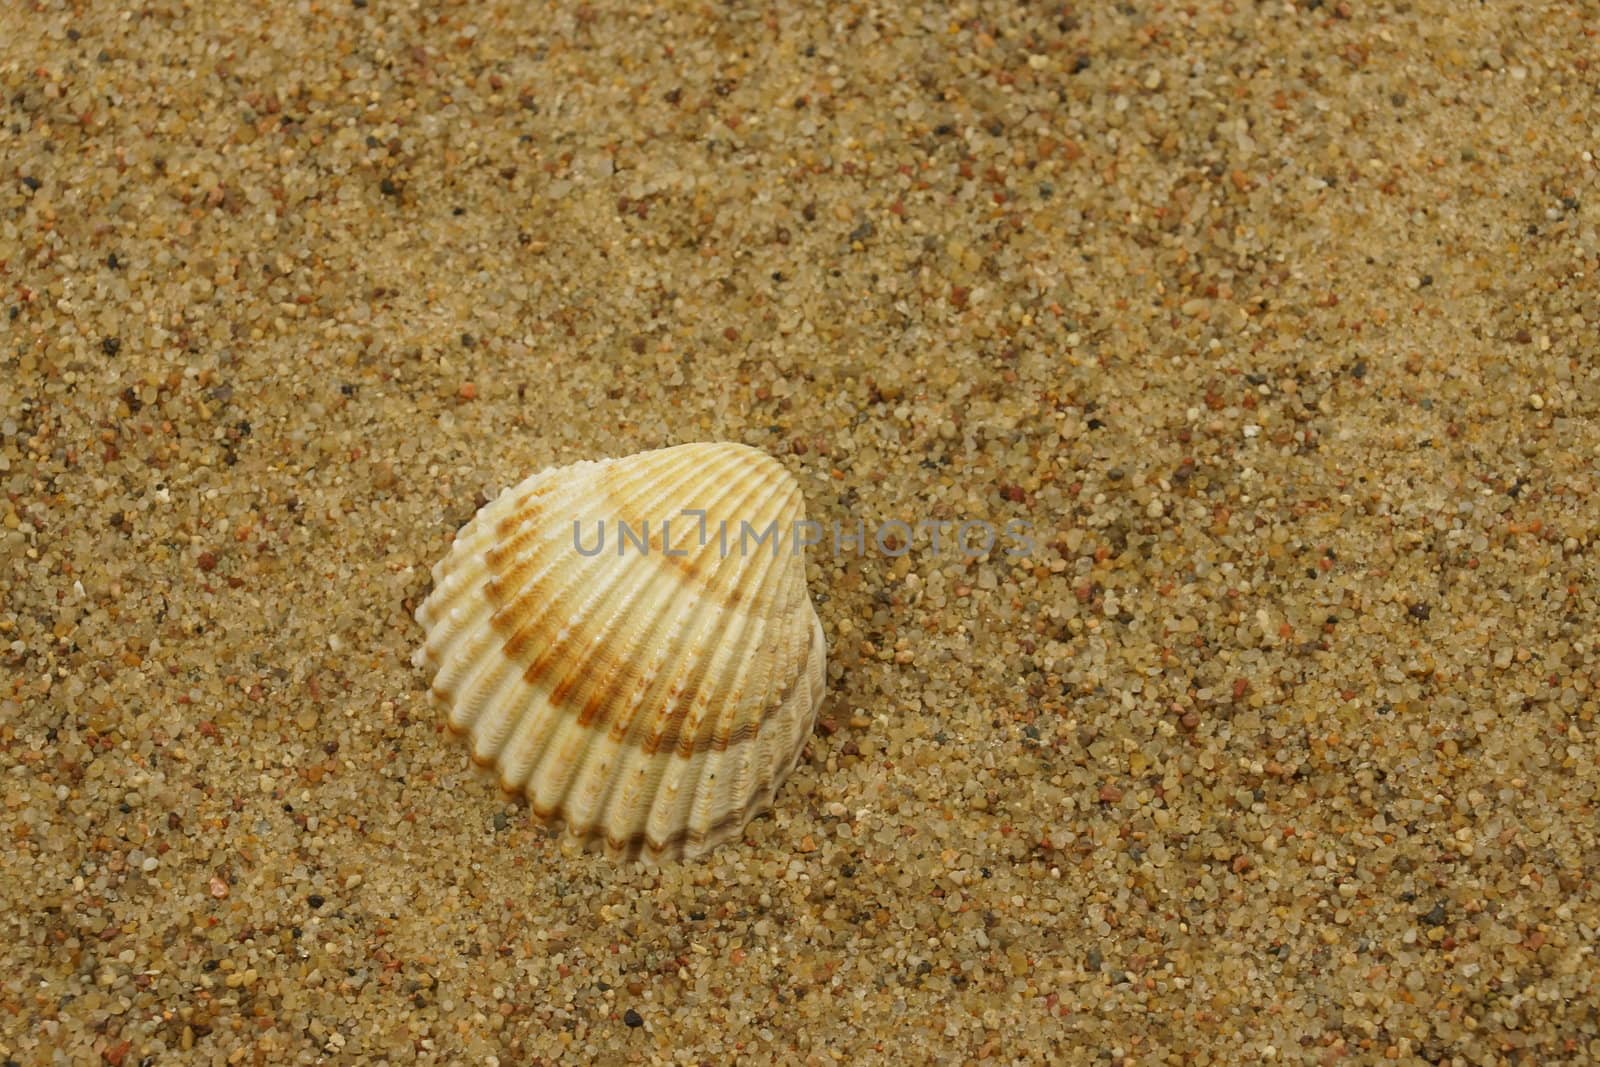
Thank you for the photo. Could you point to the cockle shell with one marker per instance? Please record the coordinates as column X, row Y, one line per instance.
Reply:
column 653, row 694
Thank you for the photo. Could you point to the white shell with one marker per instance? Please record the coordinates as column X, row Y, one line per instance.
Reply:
column 651, row 695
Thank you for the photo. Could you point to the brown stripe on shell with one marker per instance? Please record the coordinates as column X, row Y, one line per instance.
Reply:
column 536, row 613
column 513, row 581
column 511, row 548
column 529, row 526
column 524, row 506
column 605, row 692
column 690, row 566
column 671, row 738
column 596, row 685
column 527, row 616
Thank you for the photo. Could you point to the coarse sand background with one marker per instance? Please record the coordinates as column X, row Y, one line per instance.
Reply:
column 1277, row 321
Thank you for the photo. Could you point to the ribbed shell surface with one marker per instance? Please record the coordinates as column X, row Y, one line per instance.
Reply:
column 647, row 675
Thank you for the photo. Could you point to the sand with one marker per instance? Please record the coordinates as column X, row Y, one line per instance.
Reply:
column 1277, row 323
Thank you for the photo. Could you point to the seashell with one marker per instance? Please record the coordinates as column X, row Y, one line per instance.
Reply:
column 621, row 644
